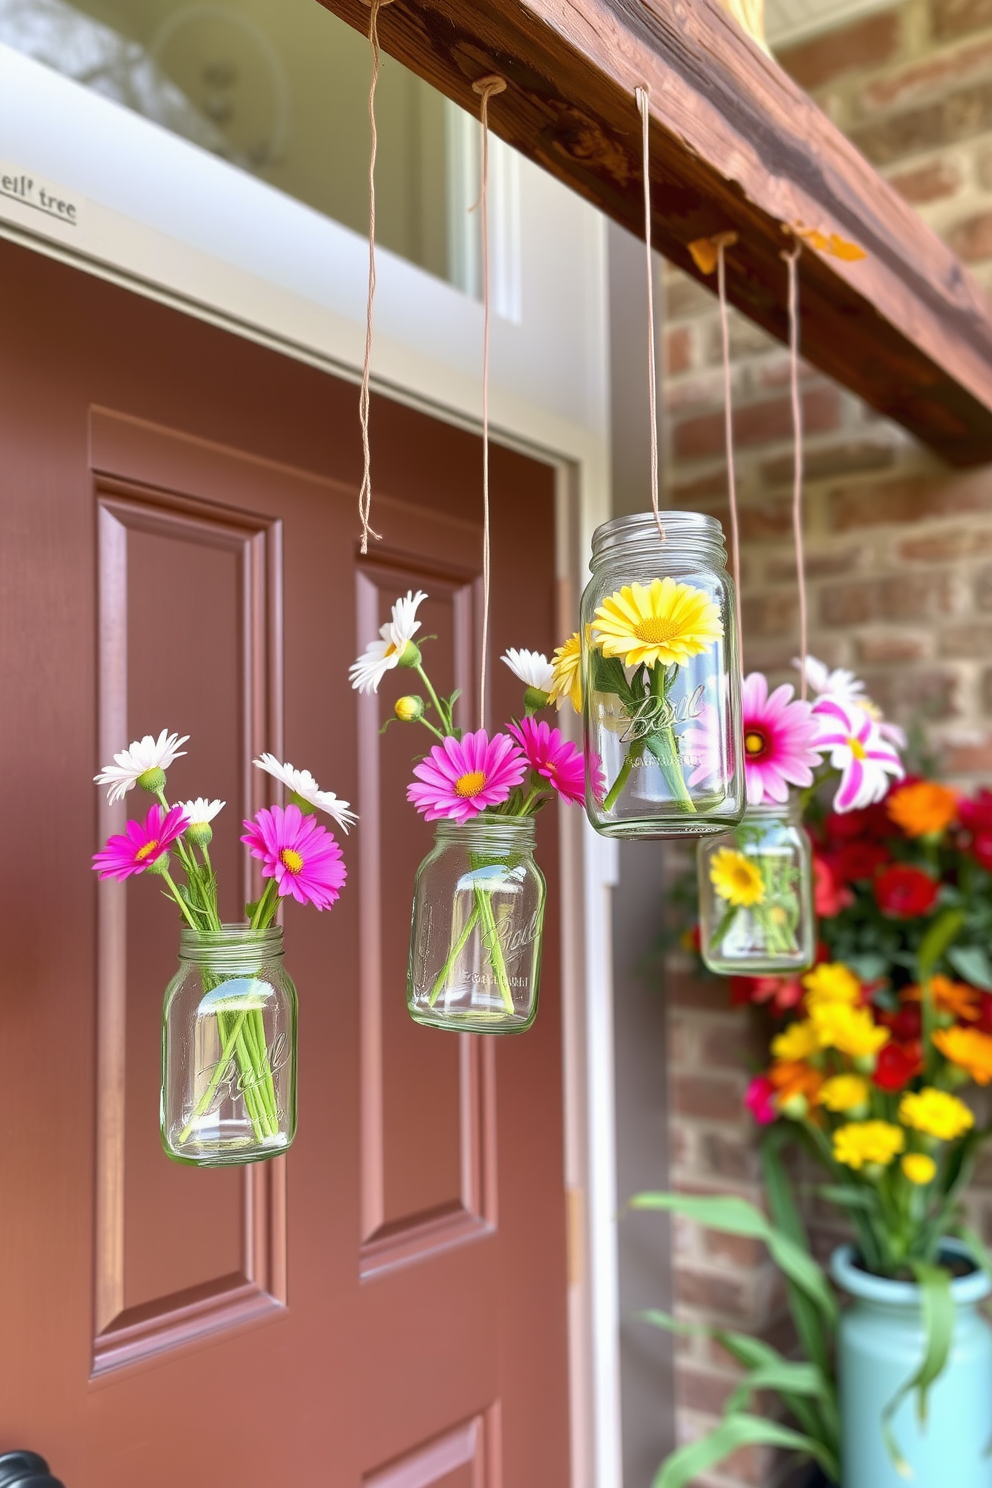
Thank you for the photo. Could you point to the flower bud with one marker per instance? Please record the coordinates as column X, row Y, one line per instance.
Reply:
column 865, row 1063
column 306, row 807
column 152, row 780
column 410, row 655
column 408, row 709
column 873, row 1171
column 199, row 834
column 160, row 865
column 535, row 699
column 795, row 1107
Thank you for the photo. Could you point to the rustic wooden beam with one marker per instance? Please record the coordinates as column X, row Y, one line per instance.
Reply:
column 736, row 145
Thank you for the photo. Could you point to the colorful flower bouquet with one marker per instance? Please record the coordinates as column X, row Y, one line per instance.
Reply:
column 229, row 1037
column 479, row 901
column 874, row 1071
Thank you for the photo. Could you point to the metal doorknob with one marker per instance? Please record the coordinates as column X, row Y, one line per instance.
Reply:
column 26, row 1470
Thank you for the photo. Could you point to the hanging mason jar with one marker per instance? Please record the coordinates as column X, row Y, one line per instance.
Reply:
column 229, row 1049
column 475, row 940
column 661, row 680
column 756, row 895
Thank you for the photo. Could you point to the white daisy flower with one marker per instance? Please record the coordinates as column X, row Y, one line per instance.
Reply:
column 201, row 811
column 381, row 656
column 841, row 683
column 532, row 667
column 144, row 756
column 302, row 784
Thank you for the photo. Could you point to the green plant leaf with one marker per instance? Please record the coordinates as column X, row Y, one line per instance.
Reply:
column 937, row 1304
column 979, row 1253
column 785, row 1376
column 848, row 1198
column 945, row 929
column 738, row 1430
column 735, row 1216
column 972, row 962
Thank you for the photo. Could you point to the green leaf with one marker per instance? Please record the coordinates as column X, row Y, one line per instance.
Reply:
column 738, row 1430
column 972, row 962
column 735, row 1216
column 938, row 1332
column 785, row 1376
column 945, row 929
column 847, row 1198
column 979, row 1254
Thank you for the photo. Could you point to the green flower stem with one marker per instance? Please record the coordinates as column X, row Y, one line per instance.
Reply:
column 633, row 753
column 664, row 746
column 250, row 1081
column 453, row 955
column 227, row 1046
column 441, row 713
column 164, row 875
column 255, row 1034
column 264, row 907
column 490, row 939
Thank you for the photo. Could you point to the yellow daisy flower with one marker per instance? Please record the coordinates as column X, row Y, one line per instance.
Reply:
column 969, row 1049
column 861, row 1142
column 843, row 1093
column 796, row 1042
column 665, row 623
column 851, row 1030
column 935, row 1113
column 736, row 879
column 919, row 1168
column 566, row 673
column 831, row 982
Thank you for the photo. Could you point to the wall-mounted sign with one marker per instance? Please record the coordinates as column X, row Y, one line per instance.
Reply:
column 34, row 201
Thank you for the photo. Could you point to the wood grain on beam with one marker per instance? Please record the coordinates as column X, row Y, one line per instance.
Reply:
column 735, row 145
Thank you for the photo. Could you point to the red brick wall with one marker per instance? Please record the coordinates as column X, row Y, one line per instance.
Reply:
column 899, row 567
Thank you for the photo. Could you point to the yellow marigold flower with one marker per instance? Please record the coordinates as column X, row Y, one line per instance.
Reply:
column 798, row 1041
column 831, row 982
column 861, row 1142
column 666, row 623
column 851, row 1030
column 956, row 998
column 935, row 1113
column 969, row 1049
column 923, row 809
column 566, row 672
column 919, row 1168
column 736, row 879
column 844, row 1093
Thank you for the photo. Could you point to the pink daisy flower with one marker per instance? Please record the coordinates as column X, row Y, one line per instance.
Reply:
column 865, row 760
column 596, row 775
column 461, row 777
column 553, row 757
column 300, row 854
column 760, row 1100
column 140, row 846
column 779, row 735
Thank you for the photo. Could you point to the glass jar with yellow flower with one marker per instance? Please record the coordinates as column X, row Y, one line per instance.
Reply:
column 660, row 679
column 755, row 894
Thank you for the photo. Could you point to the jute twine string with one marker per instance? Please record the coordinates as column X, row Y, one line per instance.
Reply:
column 487, row 88
column 643, row 96
column 365, row 493
column 792, row 260
column 723, row 242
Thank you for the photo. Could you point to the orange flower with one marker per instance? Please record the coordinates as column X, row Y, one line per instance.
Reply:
column 792, row 1077
column 969, row 1049
column 923, row 809
column 956, row 998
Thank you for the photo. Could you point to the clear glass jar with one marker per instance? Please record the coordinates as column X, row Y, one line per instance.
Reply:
column 756, row 895
column 661, row 680
column 475, row 940
column 229, row 1049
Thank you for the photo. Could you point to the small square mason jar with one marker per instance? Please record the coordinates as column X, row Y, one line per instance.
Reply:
column 756, row 915
column 661, row 680
column 478, row 918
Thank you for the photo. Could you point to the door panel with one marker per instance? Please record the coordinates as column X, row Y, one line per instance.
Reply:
column 385, row 1306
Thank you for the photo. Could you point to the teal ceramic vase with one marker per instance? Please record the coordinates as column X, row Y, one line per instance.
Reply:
column 879, row 1347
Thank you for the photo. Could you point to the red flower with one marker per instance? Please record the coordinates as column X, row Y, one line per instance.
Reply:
column 906, row 1025
column 868, row 821
column 976, row 815
column 829, row 896
column 980, row 847
column 781, row 991
column 905, row 892
column 897, row 1064
column 984, row 1020
column 860, row 858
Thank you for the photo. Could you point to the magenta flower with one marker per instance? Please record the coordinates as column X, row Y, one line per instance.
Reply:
column 300, row 854
column 140, row 847
column 596, row 775
column 699, row 747
column 779, row 735
column 865, row 760
column 553, row 757
column 760, row 1100
column 460, row 778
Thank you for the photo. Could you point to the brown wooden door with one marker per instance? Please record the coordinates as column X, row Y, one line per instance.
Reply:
column 387, row 1305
